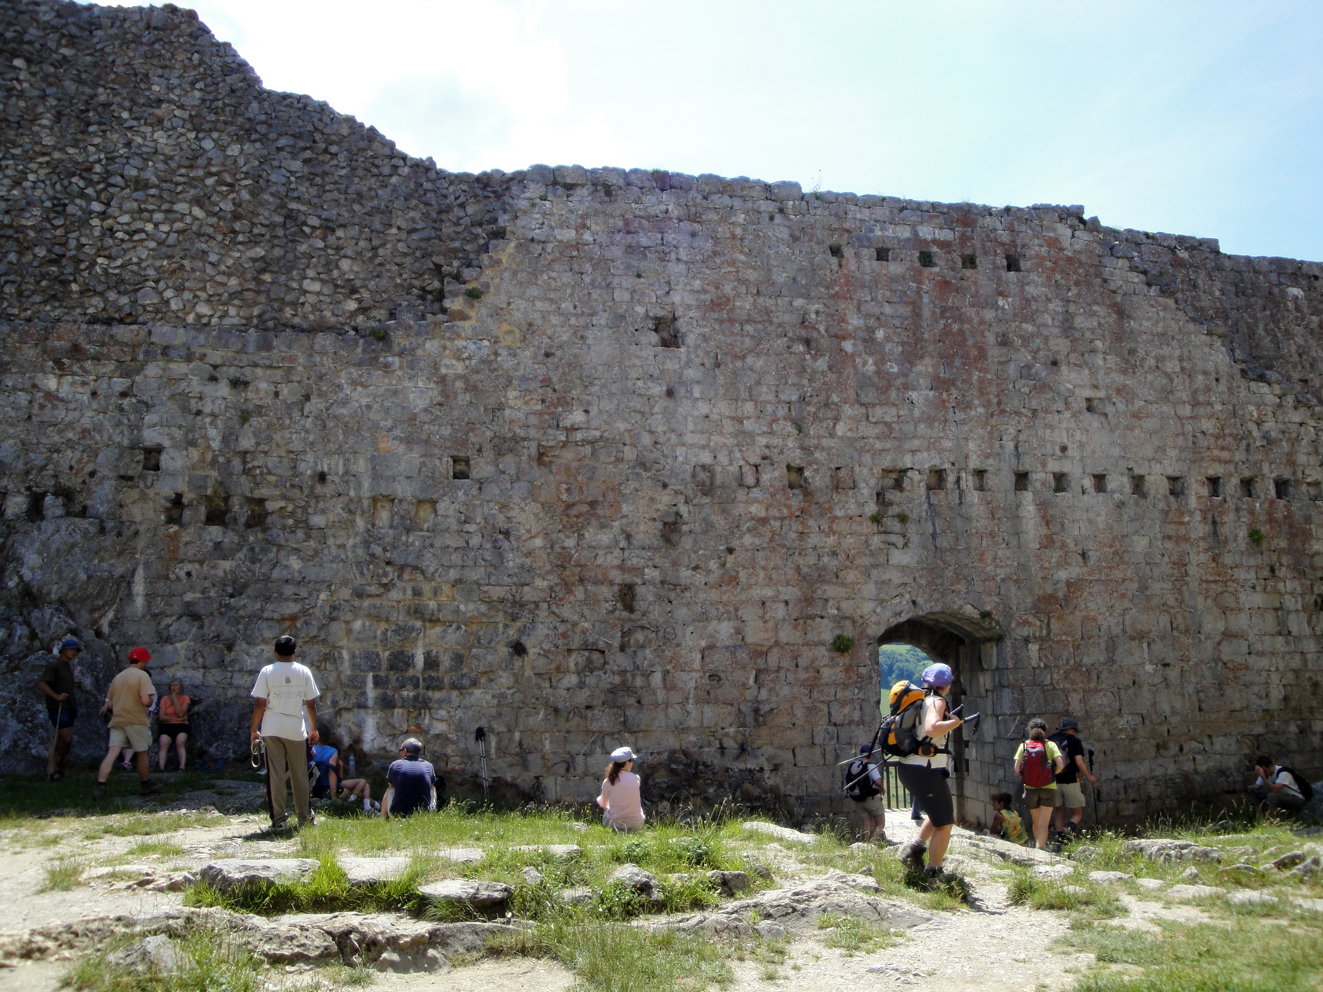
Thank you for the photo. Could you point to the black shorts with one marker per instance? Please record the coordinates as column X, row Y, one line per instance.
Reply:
column 929, row 789
column 173, row 730
column 61, row 716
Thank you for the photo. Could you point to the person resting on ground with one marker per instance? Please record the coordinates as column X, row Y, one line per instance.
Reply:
column 622, row 806
column 1277, row 786
column 411, row 782
column 1006, row 822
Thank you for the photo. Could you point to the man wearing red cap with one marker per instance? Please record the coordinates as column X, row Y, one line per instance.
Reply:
column 130, row 695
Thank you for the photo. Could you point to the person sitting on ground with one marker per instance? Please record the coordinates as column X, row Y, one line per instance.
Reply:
column 325, row 757
column 1037, row 762
column 622, row 805
column 58, row 686
column 862, row 780
column 1068, row 743
column 174, row 727
column 1277, row 786
column 924, row 774
column 411, row 782
column 1006, row 822
column 358, row 789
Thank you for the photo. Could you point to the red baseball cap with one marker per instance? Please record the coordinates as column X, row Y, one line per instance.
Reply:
column 140, row 654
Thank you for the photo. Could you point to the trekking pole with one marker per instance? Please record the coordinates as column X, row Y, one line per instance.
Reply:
column 55, row 740
column 1094, row 790
column 480, row 735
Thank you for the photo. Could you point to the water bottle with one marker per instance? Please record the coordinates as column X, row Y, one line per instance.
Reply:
column 352, row 770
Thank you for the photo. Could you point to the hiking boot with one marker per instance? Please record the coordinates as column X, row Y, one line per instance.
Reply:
column 149, row 788
column 99, row 791
column 911, row 856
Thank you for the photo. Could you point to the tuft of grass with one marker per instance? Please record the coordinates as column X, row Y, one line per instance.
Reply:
column 1257, row 536
column 842, row 643
column 473, row 293
column 616, row 958
column 327, row 890
column 210, row 963
column 380, row 334
column 1085, row 900
column 157, row 823
column 854, row 935
column 1242, row 956
column 156, row 848
column 61, row 876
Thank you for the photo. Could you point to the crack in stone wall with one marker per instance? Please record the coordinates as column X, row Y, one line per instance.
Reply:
column 653, row 443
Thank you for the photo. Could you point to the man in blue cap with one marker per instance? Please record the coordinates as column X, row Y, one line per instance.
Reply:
column 58, row 686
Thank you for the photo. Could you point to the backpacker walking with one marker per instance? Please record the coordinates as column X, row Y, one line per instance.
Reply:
column 924, row 772
column 1037, row 762
column 861, row 786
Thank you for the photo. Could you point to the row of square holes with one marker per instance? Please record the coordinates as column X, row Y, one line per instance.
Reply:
column 1249, row 487
column 928, row 258
column 151, row 462
column 894, row 480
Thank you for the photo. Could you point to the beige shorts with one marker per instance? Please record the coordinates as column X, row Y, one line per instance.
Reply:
column 135, row 738
column 1034, row 798
column 872, row 806
column 1072, row 795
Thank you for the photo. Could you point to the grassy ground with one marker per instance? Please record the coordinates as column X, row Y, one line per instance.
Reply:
column 1235, row 956
column 25, row 795
column 208, row 963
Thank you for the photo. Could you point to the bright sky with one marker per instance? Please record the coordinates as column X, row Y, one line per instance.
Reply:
column 1199, row 117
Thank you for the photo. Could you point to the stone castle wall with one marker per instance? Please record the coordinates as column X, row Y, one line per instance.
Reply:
column 593, row 456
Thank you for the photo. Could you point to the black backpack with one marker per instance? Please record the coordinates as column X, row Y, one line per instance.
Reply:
column 1305, row 788
column 858, row 783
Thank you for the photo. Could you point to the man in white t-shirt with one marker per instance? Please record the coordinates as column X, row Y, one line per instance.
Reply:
column 1276, row 787
column 284, row 693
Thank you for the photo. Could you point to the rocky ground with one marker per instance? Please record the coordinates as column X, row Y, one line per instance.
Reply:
column 134, row 882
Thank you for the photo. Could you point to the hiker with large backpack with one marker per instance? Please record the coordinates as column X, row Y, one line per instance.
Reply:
column 916, row 733
column 861, row 785
column 1037, row 762
column 1279, row 787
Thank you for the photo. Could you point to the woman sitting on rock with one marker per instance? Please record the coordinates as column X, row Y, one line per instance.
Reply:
column 622, row 807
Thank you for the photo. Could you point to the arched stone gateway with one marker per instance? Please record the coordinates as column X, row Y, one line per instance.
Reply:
column 967, row 640
column 594, row 456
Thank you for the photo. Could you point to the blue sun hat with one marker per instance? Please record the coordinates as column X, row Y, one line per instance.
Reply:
column 938, row 676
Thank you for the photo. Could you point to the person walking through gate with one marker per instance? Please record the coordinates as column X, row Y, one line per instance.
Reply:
column 283, row 695
column 1068, row 779
column 1037, row 762
column 58, row 686
column 130, row 694
column 924, row 774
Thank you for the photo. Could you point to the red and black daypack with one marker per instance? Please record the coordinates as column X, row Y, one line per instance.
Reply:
column 1036, row 770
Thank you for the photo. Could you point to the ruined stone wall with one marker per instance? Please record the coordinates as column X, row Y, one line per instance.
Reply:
column 661, row 442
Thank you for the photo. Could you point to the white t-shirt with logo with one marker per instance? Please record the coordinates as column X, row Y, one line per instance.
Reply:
column 286, row 686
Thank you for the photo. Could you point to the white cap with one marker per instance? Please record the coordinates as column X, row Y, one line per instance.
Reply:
column 622, row 754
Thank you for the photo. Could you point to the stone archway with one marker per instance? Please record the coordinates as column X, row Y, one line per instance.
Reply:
column 967, row 640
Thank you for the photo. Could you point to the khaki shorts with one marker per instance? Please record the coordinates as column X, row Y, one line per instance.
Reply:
column 1072, row 795
column 136, row 738
column 872, row 806
column 1035, row 798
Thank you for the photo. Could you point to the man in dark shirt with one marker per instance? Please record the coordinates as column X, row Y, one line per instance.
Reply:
column 1068, row 779
column 411, row 782
column 58, row 686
